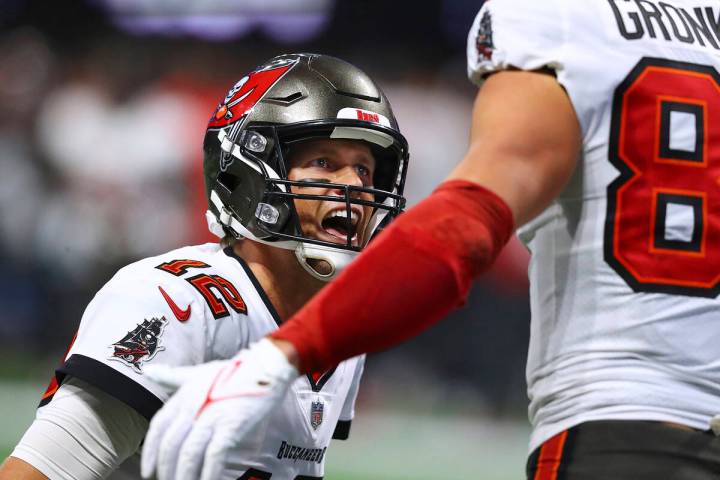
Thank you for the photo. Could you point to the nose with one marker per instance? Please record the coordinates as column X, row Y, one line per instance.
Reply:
column 348, row 176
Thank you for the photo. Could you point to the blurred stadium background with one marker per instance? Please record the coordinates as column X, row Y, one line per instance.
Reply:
column 103, row 105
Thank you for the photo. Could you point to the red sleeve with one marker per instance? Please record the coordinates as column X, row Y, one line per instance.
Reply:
column 410, row 277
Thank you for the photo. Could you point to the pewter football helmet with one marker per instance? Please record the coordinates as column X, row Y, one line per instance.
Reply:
column 289, row 99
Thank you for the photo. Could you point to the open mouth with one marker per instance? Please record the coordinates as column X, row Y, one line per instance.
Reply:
column 337, row 224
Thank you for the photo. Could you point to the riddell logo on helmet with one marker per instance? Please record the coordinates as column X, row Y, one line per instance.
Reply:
column 364, row 115
column 368, row 116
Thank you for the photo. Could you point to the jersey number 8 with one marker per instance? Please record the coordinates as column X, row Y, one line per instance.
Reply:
column 662, row 230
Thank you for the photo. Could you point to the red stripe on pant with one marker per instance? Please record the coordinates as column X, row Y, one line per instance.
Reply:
column 550, row 456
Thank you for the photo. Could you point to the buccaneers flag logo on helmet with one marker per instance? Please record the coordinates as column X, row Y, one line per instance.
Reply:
column 246, row 93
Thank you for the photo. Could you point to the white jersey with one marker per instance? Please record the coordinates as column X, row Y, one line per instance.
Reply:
column 625, row 267
column 191, row 306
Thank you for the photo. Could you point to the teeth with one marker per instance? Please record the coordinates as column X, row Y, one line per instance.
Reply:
column 343, row 213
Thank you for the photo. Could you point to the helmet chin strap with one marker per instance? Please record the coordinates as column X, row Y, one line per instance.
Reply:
column 214, row 225
column 337, row 259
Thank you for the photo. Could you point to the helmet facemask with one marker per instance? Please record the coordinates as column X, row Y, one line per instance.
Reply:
column 276, row 220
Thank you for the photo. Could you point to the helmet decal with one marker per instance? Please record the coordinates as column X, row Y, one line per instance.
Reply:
column 364, row 115
column 245, row 94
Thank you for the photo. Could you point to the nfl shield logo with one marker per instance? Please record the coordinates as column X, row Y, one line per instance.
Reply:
column 316, row 414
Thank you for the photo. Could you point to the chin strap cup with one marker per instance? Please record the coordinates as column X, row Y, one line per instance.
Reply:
column 213, row 225
column 336, row 259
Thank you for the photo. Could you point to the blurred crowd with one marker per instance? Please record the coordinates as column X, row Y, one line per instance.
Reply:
column 103, row 107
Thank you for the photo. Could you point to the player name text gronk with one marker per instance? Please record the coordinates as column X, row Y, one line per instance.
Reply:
column 295, row 453
column 655, row 19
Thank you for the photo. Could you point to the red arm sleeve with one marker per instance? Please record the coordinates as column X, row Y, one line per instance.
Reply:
column 411, row 276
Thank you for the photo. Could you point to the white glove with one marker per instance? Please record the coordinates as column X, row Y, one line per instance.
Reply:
column 217, row 404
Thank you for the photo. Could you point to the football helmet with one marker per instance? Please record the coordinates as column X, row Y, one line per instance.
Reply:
column 289, row 99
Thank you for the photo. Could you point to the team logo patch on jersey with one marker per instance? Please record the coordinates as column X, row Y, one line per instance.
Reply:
column 140, row 344
column 316, row 414
column 484, row 39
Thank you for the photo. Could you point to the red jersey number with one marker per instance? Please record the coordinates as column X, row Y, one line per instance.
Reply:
column 662, row 231
column 218, row 293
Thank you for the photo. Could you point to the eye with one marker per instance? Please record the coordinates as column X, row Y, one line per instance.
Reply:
column 320, row 162
column 362, row 170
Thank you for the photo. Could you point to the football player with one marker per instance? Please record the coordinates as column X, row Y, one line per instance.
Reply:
column 303, row 163
column 596, row 131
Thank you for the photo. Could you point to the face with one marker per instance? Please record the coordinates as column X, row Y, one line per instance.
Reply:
column 347, row 162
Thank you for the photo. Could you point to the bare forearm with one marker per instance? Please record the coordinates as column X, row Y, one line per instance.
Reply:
column 16, row 469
